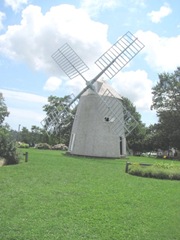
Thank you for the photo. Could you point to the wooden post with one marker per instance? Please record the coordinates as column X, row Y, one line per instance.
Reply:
column 127, row 165
column 26, row 156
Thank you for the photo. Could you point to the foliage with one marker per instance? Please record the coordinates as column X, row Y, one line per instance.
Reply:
column 155, row 139
column 55, row 196
column 8, row 149
column 136, row 137
column 3, row 110
column 166, row 93
column 166, row 101
column 42, row 146
column 24, row 135
column 31, row 137
column 60, row 146
column 157, row 170
column 22, row 145
column 60, row 131
column 38, row 135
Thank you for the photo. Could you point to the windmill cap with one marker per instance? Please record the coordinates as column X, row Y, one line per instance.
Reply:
column 102, row 86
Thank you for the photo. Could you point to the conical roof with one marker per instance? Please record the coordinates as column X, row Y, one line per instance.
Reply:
column 100, row 88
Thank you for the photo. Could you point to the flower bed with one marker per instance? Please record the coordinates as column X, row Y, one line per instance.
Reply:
column 158, row 170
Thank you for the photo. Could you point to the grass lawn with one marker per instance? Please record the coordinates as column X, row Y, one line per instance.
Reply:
column 55, row 196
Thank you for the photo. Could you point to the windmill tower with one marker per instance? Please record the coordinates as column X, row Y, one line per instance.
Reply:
column 101, row 122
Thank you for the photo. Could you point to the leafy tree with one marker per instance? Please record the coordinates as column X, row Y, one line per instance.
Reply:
column 31, row 137
column 135, row 140
column 25, row 135
column 3, row 110
column 166, row 93
column 8, row 149
column 166, row 101
column 155, row 138
column 57, row 108
column 38, row 135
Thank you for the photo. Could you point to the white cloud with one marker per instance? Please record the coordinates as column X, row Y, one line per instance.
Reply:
column 161, row 53
column 25, row 117
column 75, row 85
column 135, row 86
column 29, row 111
column 52, row 84
column 93, row 7
column 134, row 6
column 38, row 36
column 156, row 16
column 141, row 3
column 22, row 96
column 2, row 16
column 15, row 4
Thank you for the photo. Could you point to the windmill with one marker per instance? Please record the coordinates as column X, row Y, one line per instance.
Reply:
column 101, row 123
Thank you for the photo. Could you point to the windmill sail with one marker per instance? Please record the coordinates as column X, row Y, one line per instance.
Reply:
column 68, row 60
column 119, row 55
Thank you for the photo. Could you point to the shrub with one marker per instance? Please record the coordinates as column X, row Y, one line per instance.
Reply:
column 60, row 146
column 159, row 170
column 8, row 149
column 42, row 146
column 22, row 145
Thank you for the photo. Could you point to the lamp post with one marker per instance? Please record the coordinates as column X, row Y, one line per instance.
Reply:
column 19, row 128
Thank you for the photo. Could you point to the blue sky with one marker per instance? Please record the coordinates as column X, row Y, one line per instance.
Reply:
column 31, row 30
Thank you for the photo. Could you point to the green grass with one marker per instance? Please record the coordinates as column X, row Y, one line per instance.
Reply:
column 54, row 196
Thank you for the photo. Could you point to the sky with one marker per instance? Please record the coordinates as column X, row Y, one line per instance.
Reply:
column 32, row 30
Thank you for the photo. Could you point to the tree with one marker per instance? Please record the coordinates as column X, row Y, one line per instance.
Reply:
column 8, row 149
column 166, row 101
column 166, row 93
column 62, row 129
column 25, row 135
column 38, row 135
column 135, row 140
column 3, row 110
column 155, row 138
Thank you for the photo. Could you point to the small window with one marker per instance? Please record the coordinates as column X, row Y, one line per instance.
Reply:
column 106, row 119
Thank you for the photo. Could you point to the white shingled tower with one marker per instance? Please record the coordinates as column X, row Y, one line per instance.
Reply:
column 101, row 122
column 92, row 132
